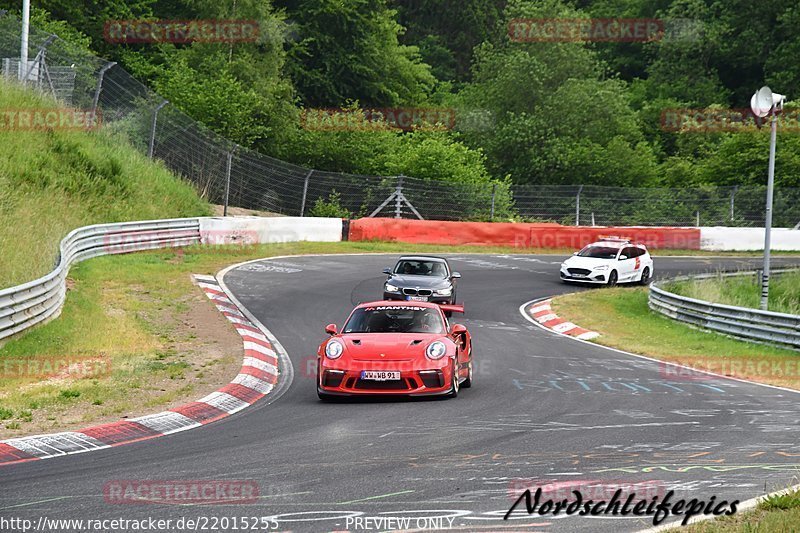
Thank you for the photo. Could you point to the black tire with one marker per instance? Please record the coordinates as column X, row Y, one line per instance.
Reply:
column 454, row 386
column 645, row 279
column 468, row 382
column 612, row 279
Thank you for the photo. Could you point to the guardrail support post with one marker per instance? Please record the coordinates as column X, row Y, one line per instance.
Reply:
column 228, row 163
column 99, row 87
column 578, row 206
column 305, row 192
column 733, row 194
column 152, row 143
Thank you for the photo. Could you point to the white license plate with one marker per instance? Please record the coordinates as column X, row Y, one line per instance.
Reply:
column 376, row 375
column 579, row 275
column 418, row 298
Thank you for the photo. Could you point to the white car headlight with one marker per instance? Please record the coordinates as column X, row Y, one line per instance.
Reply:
column 334, row 349
column 391, row 288
column 601, row 267
column 436, row 350
column 444, row 292
column 563, row 265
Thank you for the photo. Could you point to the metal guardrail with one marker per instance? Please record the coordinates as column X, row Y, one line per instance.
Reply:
column 742, row 322
column 34, row 302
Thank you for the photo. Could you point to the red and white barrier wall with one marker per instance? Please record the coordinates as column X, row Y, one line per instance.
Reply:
column 263, row 230
column 551, row 235
column 515, row 234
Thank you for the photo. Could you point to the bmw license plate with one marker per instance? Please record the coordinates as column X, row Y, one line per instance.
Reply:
column 417, row 298
column 380, row 375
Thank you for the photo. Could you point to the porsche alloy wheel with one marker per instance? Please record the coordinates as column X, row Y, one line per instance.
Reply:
column 454, row 385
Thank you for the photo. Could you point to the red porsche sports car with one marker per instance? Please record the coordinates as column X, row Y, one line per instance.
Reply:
column 392, row 348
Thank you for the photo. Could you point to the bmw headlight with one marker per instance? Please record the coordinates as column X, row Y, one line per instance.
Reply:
column 334, row 349
column 391, row 288
column 436, row 350
column 447, row 291
column 601, row 267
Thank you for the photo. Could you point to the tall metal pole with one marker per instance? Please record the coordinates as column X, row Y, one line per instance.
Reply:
column 578, row 206
column 305, row 193
column 152, row 144
column 494, row 194
column 23, row 49
column 398, row 198
column 227, row 183
column 768, row 218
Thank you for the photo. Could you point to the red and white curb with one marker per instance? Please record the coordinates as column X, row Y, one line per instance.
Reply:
column 543, row 314
column 257, row 377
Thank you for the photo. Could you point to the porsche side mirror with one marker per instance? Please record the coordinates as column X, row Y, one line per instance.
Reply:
column 330, row 329
column 455, row 275
column 387, row 271
column 623, row 257
column 458, row 329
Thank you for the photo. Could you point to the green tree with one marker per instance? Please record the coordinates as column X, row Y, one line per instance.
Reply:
column 349, row 51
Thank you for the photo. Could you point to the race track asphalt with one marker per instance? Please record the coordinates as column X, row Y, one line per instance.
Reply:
column 543, row 409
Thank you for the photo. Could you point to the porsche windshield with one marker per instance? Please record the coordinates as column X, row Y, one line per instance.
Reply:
column 395, row 319
column 599, row 252
column 414, row 267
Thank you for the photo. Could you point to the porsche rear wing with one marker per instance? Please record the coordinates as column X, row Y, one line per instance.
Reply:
column 453, row 308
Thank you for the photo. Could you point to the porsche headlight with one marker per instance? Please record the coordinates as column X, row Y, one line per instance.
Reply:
column 444, row 292
column 391, row 288
column 334, row 349
column 601, row 267
column 436, row 350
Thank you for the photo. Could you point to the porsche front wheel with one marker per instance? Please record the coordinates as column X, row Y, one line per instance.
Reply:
column 454, row 381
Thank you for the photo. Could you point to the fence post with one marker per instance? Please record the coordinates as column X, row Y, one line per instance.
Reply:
column 494, row 194
column 398, row 198
column 697, row 224
column 733, row 194
column 100, row 77
column 152, row 144
column 227, row 182
column 593, row 224
column 305, row 192
column 578, row 206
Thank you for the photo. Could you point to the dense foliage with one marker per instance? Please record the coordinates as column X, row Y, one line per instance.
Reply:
column 550, row 112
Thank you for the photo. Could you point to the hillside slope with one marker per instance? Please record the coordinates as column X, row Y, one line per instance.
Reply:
column 52, row 181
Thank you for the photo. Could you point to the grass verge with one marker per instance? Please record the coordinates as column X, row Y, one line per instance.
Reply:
column 776, row 513
column 744, row 291
column 52, row 182
column 624, row 321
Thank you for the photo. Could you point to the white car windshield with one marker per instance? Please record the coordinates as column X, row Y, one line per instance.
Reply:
column 599, row 252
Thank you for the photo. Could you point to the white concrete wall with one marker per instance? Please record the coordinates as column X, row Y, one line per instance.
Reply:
column 254, row 230
column 742, row 239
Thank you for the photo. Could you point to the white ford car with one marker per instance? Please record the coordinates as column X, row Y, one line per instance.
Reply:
column 608, row 262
